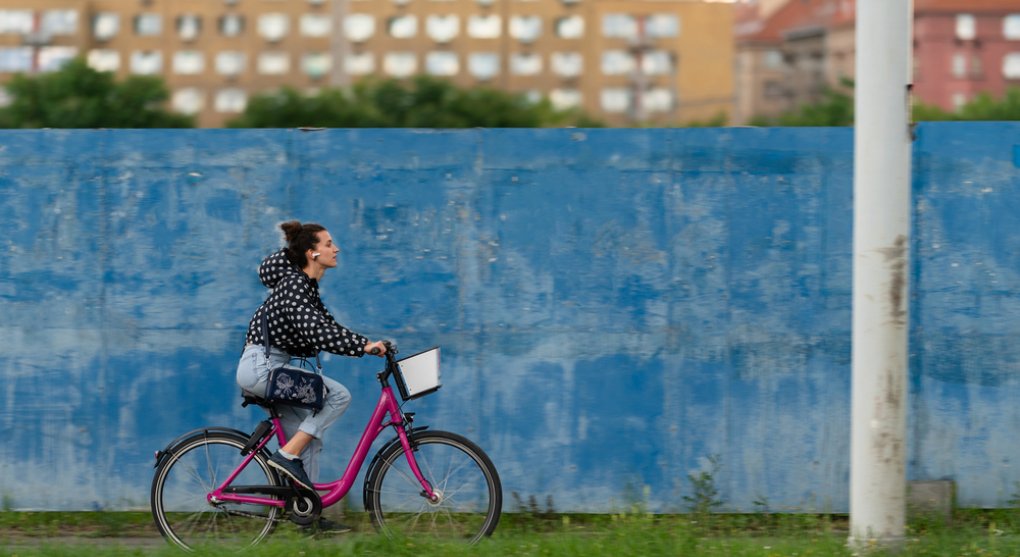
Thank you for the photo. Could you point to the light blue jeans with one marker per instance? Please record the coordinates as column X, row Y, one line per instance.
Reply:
column 253, row 377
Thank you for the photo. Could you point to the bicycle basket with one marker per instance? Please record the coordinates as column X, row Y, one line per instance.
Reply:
column 418, row 375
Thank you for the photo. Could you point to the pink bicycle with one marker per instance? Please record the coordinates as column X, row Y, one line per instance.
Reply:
column 214, row 485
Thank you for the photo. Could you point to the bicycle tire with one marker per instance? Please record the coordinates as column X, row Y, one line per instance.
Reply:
column 191, row 469
column 471, row 496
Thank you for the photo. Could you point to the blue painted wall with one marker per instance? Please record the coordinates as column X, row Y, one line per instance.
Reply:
column 615, row 307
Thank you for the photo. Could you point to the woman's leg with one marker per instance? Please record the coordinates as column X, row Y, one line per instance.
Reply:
column 304, row 430
column 314, row 426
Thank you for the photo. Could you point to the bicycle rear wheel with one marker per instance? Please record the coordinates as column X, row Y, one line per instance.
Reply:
column 470, row 497
column 194, row 468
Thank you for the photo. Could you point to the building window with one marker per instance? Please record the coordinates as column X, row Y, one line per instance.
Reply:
column 484, row 26
column 977, row 68
column 662, row 26
column 571, row 27
column 774, row 90
column 230, row 62
column 146, row 62
column 400, row 64
column 658, row 62
column 442, row 64
column 565, row 99
column 1011, row 27
column 103, row 60
column 188, row 62
column 273, row 63
column 230, row 101
column 188, row 100
column 105, row 25
column 18, row 22
column 483, row 65
column 958, row 100
column 402, row 26
column 1011, row 66
column 148, row 25
column 188, row 27
column 959, row 65
column 525, row 63
column 316, row 64
column 525, row 28
column 617, row 62
column 361, row 63
column 657, row 99
column 772, row 59
column 232, row 25
column 442, row 28
column 567, row 64
column 359, row 27
column 622, row 26
column 316, row 25
column 52, row 58
column 60, row 22
column 966, row 27
column 273, row 26
column 15, row 59
column 615, row 99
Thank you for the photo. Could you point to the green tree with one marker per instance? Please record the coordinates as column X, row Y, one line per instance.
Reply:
column 77, row 96
column 422, row 102
column 837, row 109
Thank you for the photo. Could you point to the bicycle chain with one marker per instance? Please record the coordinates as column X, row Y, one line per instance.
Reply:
column 252, row 515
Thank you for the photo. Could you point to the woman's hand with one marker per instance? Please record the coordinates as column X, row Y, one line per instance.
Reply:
column 377, row 348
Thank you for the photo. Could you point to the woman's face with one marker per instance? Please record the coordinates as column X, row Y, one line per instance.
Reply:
column 326, row 249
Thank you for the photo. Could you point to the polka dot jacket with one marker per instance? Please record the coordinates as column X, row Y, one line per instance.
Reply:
column 299, row 323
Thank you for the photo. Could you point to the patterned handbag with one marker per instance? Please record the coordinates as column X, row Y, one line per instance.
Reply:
column 295, row 387
column 292, row 386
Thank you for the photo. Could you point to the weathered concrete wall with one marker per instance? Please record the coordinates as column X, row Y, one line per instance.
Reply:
column 616, row 307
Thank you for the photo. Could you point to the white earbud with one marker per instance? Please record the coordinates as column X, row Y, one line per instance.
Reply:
column 315, row 255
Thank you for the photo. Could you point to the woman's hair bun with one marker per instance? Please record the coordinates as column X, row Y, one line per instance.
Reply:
column 300, row 238
column 291, row 229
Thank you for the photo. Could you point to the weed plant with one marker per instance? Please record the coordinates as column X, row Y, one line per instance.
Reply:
column 993, row 533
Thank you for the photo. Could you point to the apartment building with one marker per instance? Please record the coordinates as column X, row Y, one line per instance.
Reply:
column 658, row 62
column 788, row 57
column 963, row 48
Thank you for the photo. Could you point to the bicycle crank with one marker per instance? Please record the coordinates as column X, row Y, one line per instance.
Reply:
column 304, row 507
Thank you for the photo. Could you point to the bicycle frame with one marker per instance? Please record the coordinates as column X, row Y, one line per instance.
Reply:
column 387, row 414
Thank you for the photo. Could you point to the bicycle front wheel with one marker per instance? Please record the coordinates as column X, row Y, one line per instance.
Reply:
column 469, row 495
column 183, row 481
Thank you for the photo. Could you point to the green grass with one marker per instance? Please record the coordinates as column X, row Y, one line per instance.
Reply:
column 969, row 533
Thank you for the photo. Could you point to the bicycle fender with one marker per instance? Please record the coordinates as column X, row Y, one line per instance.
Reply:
column 395, row 441
column 171, row 447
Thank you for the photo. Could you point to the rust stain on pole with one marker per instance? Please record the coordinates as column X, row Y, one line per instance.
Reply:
column 896, row 259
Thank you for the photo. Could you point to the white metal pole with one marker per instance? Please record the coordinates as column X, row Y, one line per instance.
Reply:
column 881, row 271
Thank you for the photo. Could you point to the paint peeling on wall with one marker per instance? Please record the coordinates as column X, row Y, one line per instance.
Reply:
column 615, row 306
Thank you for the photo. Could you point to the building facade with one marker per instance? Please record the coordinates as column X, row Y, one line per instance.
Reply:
column 961, row 48
column 626, row 62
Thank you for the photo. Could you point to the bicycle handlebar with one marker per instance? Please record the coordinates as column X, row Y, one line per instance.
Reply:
column 390, row 348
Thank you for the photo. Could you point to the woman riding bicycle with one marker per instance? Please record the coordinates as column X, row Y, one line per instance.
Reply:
column 299, row 326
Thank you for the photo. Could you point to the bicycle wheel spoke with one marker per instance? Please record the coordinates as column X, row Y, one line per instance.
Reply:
column 183, row 512
column 468, row 497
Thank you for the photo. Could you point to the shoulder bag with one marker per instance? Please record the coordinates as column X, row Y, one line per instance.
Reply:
column 291, row 386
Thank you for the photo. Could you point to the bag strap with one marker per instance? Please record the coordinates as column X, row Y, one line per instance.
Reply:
column 265, row 339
